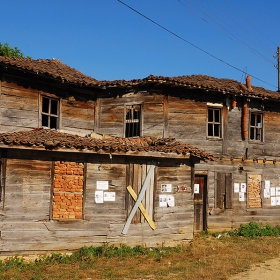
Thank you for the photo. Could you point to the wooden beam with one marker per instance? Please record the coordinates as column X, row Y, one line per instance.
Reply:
column 142, row 208
column 140, row 197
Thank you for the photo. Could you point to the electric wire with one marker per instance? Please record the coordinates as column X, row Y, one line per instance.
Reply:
column 236, row 38
column 188, row 42
column 250, row 23
column 240, row 26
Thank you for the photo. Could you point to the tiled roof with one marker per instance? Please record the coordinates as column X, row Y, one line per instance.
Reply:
column 53, row 140
column 202, row 82
column 53, row 68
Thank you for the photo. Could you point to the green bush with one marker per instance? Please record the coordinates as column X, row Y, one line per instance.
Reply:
column 254, row 229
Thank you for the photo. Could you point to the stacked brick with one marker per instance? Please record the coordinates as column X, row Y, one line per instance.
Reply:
column 68, row 190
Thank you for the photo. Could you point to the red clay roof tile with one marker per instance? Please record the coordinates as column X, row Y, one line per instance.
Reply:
column 52, row 139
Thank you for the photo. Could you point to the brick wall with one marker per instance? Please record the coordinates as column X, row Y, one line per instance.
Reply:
column 68, row 190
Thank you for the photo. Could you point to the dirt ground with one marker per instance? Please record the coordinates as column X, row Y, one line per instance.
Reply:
column 270, row 270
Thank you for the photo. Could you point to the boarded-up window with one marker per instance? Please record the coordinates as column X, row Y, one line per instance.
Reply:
column 132, row 120
column 254, row 191
column 136, row 175
column 68, row 190
column 224, row 191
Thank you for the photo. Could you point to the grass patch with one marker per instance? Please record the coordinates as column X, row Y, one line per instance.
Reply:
column 209, row 256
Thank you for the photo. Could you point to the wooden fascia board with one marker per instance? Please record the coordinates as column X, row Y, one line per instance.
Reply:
column 102, row 152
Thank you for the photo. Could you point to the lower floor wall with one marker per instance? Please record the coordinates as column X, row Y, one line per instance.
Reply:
column 70, row 202
column 240, row 192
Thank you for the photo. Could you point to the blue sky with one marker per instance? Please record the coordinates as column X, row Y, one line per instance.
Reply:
column 108, row 41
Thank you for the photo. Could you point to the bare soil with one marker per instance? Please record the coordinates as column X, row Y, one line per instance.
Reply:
column 265, row 271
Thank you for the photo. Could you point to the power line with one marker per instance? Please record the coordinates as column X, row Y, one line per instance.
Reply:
column 250, row 23
column 186, row 41
column 260, row 42
column 242, row 42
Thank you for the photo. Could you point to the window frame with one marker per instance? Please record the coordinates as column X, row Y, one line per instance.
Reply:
column 218, row 108
column 255, row 127
column 49, row 114
column 133, row 120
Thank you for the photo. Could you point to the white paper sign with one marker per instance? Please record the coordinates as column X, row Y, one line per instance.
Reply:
column 277, row 200
column 278, row 191
column 241, row 196
column 266, row 193
column 273, row 201
column 98, row 196
column 109, row 196
column 102, row 185
column 236, row 187
column 243, row 187
column 272, row 191
column 267, row 184
column 162, row 200
column 196, row 188
column 166, row 187
column 170, row 200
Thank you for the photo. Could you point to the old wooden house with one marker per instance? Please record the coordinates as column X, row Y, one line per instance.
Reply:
column 148, row 161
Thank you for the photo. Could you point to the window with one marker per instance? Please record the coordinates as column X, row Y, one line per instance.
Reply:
column 132, row 120
column 214, row 122
column 224, row 191
column 256, row 126
column 50, row 109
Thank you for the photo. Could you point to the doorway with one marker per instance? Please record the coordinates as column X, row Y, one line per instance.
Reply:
column 200, row 203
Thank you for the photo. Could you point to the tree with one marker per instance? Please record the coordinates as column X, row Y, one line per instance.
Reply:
column 6, row 50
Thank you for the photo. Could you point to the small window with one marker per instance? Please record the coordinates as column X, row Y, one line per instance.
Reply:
column 132, row 120
column 50, row 112
column 214, row 122
column 256, row 126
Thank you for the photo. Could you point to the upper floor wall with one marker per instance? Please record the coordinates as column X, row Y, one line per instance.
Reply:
column 24, row 107
column 221, row 125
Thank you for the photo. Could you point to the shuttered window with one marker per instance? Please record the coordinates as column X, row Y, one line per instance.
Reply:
column 224, row 191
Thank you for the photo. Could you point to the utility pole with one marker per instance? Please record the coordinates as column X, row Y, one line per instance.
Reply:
column 278, row 67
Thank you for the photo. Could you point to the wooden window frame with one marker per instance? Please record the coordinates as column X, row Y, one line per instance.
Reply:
column 214, row 126
column 50, row 115
column 256, row 129
column 131, row 129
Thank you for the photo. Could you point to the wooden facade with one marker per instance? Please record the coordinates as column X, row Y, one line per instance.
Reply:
column 59, row 193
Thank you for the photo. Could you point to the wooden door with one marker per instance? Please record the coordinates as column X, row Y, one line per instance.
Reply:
column 200, row 203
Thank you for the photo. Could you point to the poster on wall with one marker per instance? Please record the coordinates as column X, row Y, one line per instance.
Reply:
column 243, row 187
column 166, row 187
column 170, row 200
column 236, row 187
column 196, row 188
column 266, row 193
column 109, row 196
column 272, row 191
column 241, row 196
column 267, row 184
column 102, row 185
column 98, row 196
column 162, row 200
column 273, row 201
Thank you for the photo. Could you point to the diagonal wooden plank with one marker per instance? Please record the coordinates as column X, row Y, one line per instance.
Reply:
column 139, row 199
column 142, row 208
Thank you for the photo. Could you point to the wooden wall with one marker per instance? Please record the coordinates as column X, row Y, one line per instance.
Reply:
column 19, row 108
column 25, row 217
column 241, row 212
